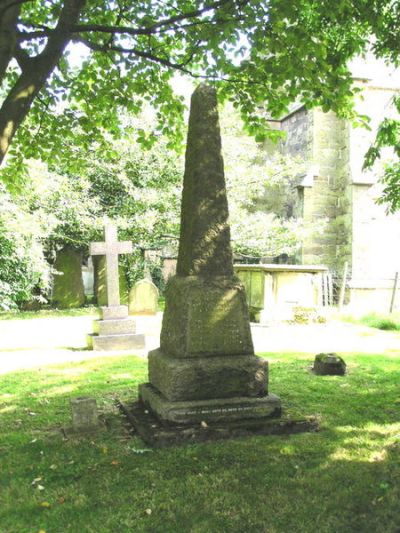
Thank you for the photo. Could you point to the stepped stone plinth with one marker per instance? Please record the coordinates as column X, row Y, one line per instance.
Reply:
column 115, row 331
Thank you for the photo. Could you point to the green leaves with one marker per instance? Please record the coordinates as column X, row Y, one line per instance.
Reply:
column 388, row 137
column 261, row 53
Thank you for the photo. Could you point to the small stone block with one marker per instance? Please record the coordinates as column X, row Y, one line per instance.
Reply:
column 84, row 414
column 329, row 364
column 113, row 312
column 162, row 434
column 225, row 409
column 116, row 342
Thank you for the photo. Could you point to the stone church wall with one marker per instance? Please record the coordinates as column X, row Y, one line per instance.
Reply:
column 322, row 140
column 339, row 197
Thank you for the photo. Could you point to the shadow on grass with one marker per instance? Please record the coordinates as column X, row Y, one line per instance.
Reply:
column 344, row 478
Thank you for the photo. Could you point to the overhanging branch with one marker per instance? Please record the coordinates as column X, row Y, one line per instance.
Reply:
column 161, row 60
column 149, row 30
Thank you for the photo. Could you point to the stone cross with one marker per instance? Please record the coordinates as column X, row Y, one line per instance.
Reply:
column 111, row 248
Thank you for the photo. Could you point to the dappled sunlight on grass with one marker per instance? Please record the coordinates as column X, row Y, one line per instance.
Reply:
column 117, row 377
column 279, row 484
column 57, row 391
column 368, row 444
column 73, row 371
column 8, row 409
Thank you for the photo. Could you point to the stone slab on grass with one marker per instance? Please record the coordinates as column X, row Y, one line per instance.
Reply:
column 159, row 434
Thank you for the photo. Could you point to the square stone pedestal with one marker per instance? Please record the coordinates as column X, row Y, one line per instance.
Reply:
column 213, row 410
column 115, row 331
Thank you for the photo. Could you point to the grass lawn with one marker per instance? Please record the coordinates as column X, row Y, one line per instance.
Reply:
column 384, row 321
column 50, row 313
column 345, row 478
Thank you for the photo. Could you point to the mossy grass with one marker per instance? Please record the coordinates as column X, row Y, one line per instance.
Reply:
column 384, row 321
column 50, row 313
column 161, row 303
column 344, row 478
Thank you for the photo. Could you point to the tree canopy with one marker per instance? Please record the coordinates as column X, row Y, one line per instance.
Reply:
column 261, row 53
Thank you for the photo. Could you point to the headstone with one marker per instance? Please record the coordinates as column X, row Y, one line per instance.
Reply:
column 84, row 414
column 329, row 364
column 115, row 331
column 143, row 298
column 205, row 370
column 68, row 288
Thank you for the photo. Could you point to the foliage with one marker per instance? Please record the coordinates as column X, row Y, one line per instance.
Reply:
column 274, row 483
column 23, row 269
column 63, row 208
column 261, row 193
column 140, row 189
column 307, row 315
column 388, row 135
column 260, row 54
column 50, row 313
column 256, row 235
column 382, row 321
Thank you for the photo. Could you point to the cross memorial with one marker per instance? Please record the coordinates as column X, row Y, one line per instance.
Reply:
column 115, row 330
column 111, row 248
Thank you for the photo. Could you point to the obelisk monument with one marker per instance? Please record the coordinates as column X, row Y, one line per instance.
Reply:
column 205, row 369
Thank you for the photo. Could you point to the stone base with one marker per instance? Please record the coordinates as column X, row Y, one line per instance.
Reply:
column 118, row 326
column 216, row 410
column 116, row 331
column 159, row 434
column 129, row 341
column 195, row 378
column 329, row 364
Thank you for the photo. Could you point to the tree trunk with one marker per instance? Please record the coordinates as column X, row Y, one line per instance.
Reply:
column 8, row 21
column 35, row 73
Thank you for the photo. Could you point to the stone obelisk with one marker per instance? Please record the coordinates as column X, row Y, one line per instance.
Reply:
column 205, row 369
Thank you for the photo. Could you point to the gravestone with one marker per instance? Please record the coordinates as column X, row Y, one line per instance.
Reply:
column 205, row 370
column 115, row 330
column 84, row 414
column 329, row 364
column 143, row 298
column 68, row 288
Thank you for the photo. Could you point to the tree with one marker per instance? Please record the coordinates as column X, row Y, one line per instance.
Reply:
column 139, row 188
column 262, row 53
column 388, row 135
